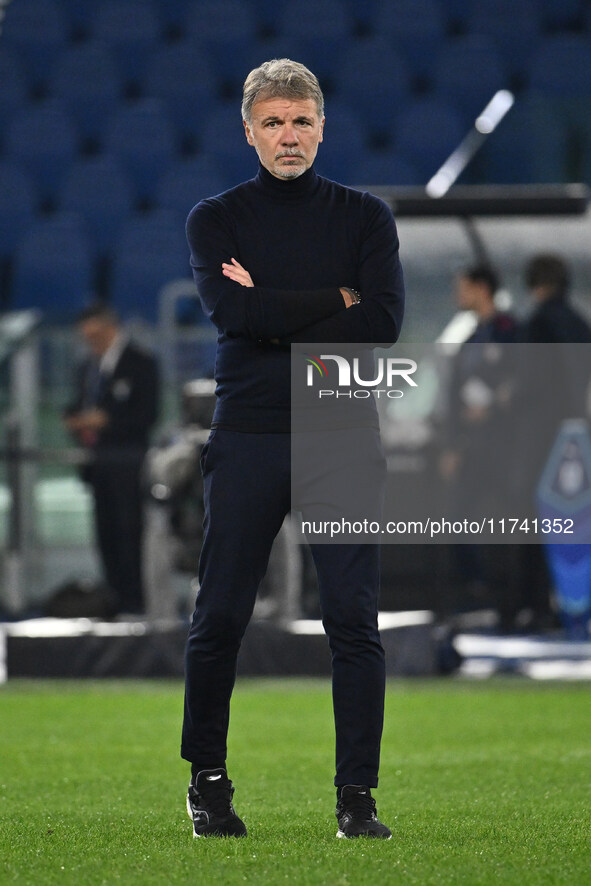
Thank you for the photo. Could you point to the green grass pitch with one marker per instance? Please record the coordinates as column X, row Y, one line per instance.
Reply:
column 480, row 783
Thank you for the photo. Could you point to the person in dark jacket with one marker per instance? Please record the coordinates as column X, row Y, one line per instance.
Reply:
column 476, row 432
column 554, row 382
column 286, row 257
column 114, row 409
column 553, row 319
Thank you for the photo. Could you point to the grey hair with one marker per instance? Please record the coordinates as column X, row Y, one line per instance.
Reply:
column 280, row 78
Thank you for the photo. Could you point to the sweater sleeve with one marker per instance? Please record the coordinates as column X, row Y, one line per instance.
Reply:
column 248, row 312
column 378, row 318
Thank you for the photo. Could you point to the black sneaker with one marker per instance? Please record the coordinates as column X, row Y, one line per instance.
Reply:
column 209, row 804
column 356, row 813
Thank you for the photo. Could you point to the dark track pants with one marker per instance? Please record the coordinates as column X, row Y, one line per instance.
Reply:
column 247, row 495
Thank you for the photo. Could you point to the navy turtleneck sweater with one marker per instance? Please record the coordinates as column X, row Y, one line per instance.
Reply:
column 300, row 239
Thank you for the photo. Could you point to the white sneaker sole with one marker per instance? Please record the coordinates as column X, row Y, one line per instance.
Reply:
column 342, row 836
column 190, row 814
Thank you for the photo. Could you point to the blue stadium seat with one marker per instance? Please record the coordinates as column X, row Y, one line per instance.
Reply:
column 385, row 168
column 187, row 181
column 468, row 72
column 362, row 15
column 561, row 14
column 152, row 250
column 172, row 15
column 226, row 29
column 561, row 66
column 428, row 132
column 513, row 25
column 344, row 141
column 43, row 139
column 456, row 14
column 374, row 79
column 86, row 80
column 225, row 143
column 13, row 92
column 97, row 189
column 321, row 31
column 79, row 17
column 53, row 268
column 416, row 28
column 18, row 204
column 179, row 75
column 36, row 31
column 561, row 73
column 529, row 146
column 132, row 32
column 142, row 138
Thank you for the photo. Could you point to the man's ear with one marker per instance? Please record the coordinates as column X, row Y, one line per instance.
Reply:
column 248, row 133
column 321, row 129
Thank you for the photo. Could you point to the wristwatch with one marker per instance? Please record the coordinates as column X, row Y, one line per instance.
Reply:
column 353, row 293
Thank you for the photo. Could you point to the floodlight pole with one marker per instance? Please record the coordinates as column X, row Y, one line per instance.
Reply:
column 447, row 175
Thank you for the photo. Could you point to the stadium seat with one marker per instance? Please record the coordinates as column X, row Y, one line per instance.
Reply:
column 152, row 250
column 416, row 28
column 132, row 31
column 362, row 16
column 17, row 206
column 428, row 133
column 528, row 147
column 36, row 31
column 172, row 15
column 456, row 15
column 374, row 79
column 224, row 139
column 513, row 25
column 226, row 29
column 87, row 82
column 97, row 189
column 468, row 72
column 187, row 181
column 179, row 75
column 384, row 168
column 79, row 17
column 344, row 142
column 13, row 92
column 561, row 66
column 53, row 268
column 43, row 139
column 565, row 14
column 142, row 138
column 321, row 31
column 560, row 71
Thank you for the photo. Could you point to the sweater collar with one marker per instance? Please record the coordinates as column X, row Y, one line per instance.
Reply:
column 287, row 189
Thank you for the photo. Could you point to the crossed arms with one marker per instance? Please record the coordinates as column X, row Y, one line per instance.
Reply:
column 308, row 315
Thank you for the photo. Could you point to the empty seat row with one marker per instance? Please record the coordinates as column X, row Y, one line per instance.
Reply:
column 54, row 268
column 153, row 19
column 230, row 35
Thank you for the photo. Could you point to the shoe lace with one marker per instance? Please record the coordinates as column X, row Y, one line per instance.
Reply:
column 359, row 804
column 218, row 800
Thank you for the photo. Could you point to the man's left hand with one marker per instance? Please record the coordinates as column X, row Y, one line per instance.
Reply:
column 236, row 272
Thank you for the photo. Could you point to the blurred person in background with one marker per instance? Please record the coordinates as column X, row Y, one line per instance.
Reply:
column 114, row 408
column 553, row 388
column 553, row 319
column 476, row 433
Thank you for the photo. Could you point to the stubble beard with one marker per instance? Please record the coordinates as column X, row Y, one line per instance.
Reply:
column 288, row 172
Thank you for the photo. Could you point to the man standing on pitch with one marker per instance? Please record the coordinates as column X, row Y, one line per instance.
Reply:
column 286, row 257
